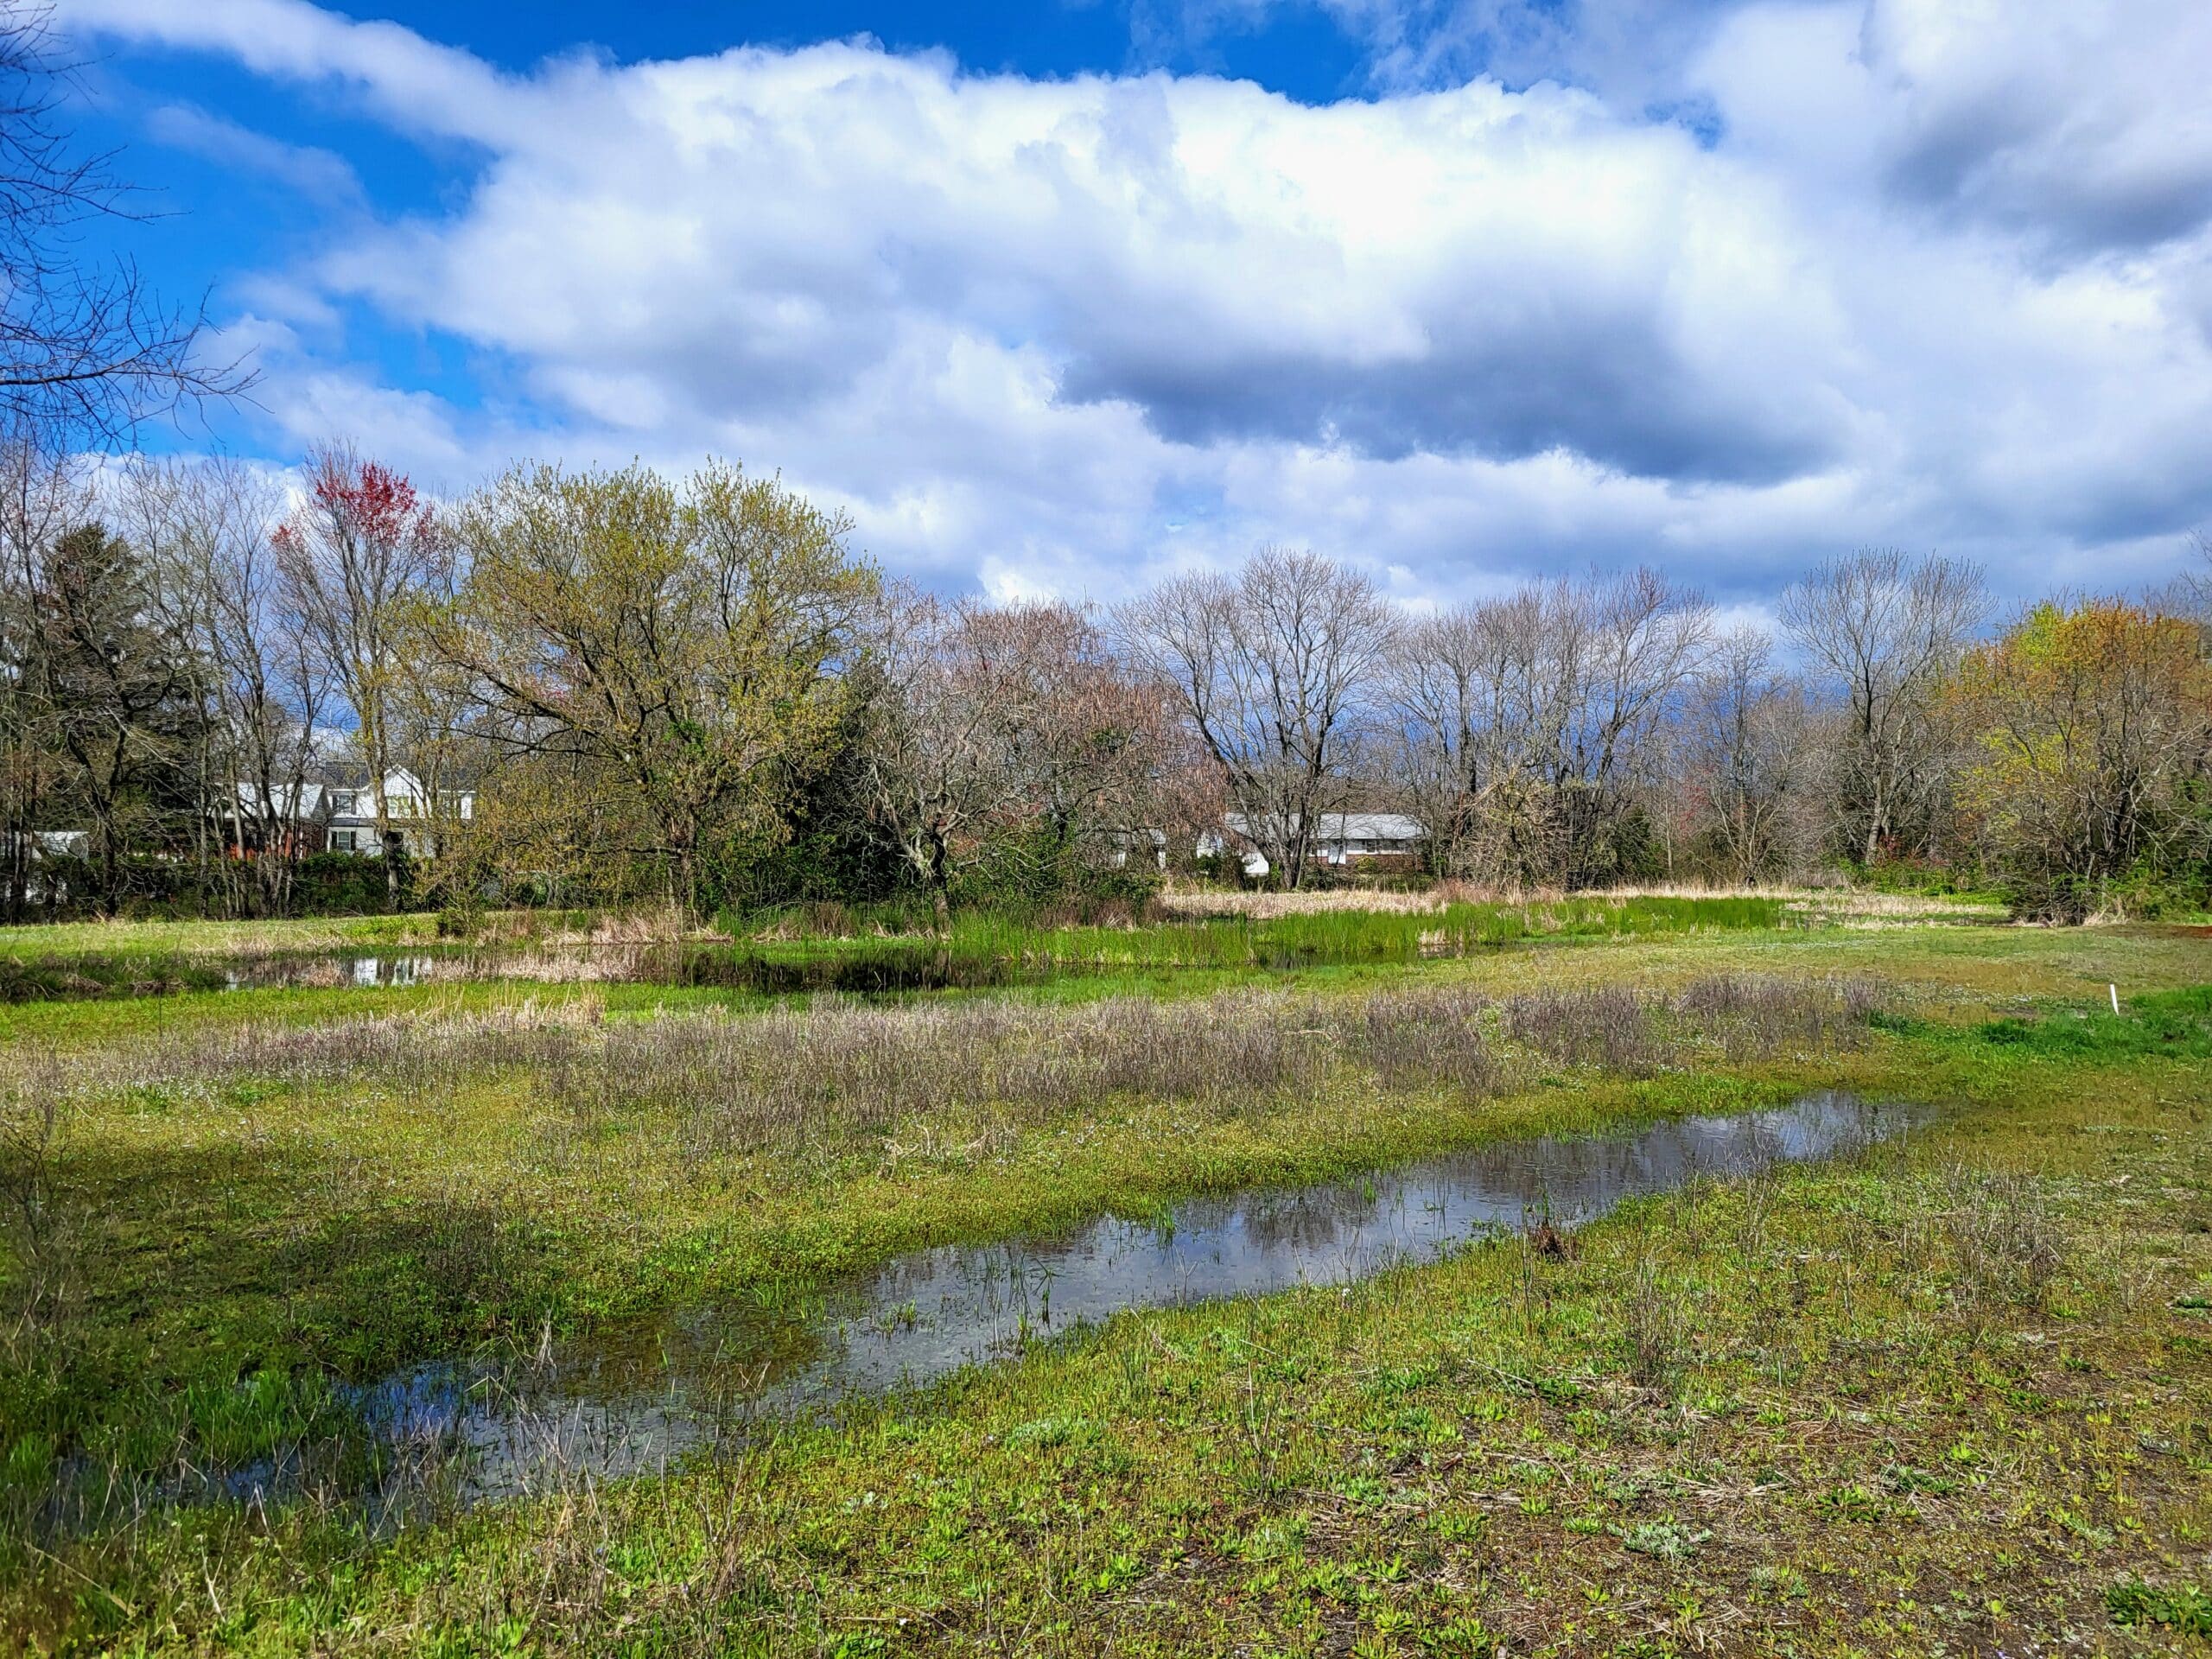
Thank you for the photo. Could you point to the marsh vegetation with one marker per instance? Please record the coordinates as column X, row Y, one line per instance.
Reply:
column 501, row 1314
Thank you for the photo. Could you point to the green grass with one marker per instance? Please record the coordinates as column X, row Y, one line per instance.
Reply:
column 88, row 960
column 1949, row 1397
column 167, row 940
column 2172, row 1025
column 1339, row 937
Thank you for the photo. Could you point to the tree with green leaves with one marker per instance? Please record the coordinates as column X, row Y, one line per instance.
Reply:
column 119, row 689
column 2094, row 752
column 674, row 649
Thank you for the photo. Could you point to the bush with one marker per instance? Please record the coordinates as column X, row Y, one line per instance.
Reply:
column 1906, row 875
column 337, row 884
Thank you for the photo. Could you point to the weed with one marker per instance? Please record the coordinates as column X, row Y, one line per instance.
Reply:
column 2183, row 1609
column 2006, row 1243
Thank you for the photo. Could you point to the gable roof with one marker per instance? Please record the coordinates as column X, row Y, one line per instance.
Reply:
column 1349, row 826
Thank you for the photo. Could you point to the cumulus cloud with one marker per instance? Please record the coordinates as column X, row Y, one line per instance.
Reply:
column 2087, row 129
column 1926, row 271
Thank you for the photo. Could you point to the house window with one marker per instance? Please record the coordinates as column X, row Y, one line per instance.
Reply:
column 341, row 840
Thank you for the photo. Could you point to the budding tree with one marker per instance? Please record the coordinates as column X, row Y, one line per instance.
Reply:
column 2095, row 753
column 673, row 647
column 1010, row 727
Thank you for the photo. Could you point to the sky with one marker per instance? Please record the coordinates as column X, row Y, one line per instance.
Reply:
column 1054, row 298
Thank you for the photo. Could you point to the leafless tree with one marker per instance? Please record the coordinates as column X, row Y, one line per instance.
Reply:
column 210, row 529
column 1882, row 631
column 1271, row 667
column 1528, row 722
column 1460, row 705
column 1745, row 753
column 993, row 723
column 85, row 350
column 41, row 494
column 2189, row 593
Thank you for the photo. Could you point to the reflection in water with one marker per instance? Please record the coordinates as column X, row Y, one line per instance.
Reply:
column 629, row 1401
column 333, row 973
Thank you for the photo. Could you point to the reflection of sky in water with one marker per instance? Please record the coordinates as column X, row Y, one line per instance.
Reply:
column 629, row 1401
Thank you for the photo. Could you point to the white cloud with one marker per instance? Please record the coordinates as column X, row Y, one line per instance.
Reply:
column 318, row 174
column 1934, row 272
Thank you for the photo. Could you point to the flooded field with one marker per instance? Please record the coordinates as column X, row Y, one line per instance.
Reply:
column 636, row 1398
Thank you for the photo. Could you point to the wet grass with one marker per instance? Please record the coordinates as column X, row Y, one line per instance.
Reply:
column 349, row 1198
column 217, row 939
column 41, row 979
column 91, row 961
column 1946, row 1398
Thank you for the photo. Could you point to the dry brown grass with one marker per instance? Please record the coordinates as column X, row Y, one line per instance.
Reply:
column 1845, row 906
column 835, row 1072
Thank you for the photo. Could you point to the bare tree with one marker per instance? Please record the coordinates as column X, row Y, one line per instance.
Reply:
column 994, row 724
column 1271, row 667
column 1745, row 748
column 84, row 350
column 1528, row 722
column 2189, row 593
column 210, row 528
column 1885, row 631
column 41, row 494
column 1460, row 703
column 351, row 560
column 1643, row 638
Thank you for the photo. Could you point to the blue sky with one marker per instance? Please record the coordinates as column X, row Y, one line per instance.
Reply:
column 1053, row 298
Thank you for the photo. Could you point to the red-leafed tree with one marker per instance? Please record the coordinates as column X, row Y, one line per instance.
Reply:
column 353, row 556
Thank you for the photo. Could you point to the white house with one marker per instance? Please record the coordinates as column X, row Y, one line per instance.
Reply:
column 336, row 812
column 352, row 821
column 1344, row 839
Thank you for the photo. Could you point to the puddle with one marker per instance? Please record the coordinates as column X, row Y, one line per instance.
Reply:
column 892, row 967
column 638, row 1398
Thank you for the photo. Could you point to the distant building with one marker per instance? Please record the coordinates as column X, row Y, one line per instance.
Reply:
column 406, row 803
column 1344, row 839
column 335, row 811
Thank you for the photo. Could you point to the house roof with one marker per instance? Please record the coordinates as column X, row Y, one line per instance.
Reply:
column 342, row 794
column 1349, row 826
column 302, row 801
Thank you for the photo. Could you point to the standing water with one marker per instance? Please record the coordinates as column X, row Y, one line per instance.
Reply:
column 632, row 1401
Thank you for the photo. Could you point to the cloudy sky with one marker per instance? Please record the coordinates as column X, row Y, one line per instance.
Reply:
column 1052, row 301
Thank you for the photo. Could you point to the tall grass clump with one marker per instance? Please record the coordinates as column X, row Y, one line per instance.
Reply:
column 835, row 1069
column 2006, row 1241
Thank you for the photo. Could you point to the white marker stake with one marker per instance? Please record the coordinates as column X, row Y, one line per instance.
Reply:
column 2114, row 989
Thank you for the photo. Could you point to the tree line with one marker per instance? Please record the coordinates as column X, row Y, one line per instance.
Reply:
column 693, row 690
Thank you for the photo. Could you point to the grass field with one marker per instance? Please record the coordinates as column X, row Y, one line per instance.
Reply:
column 1945, row 1395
